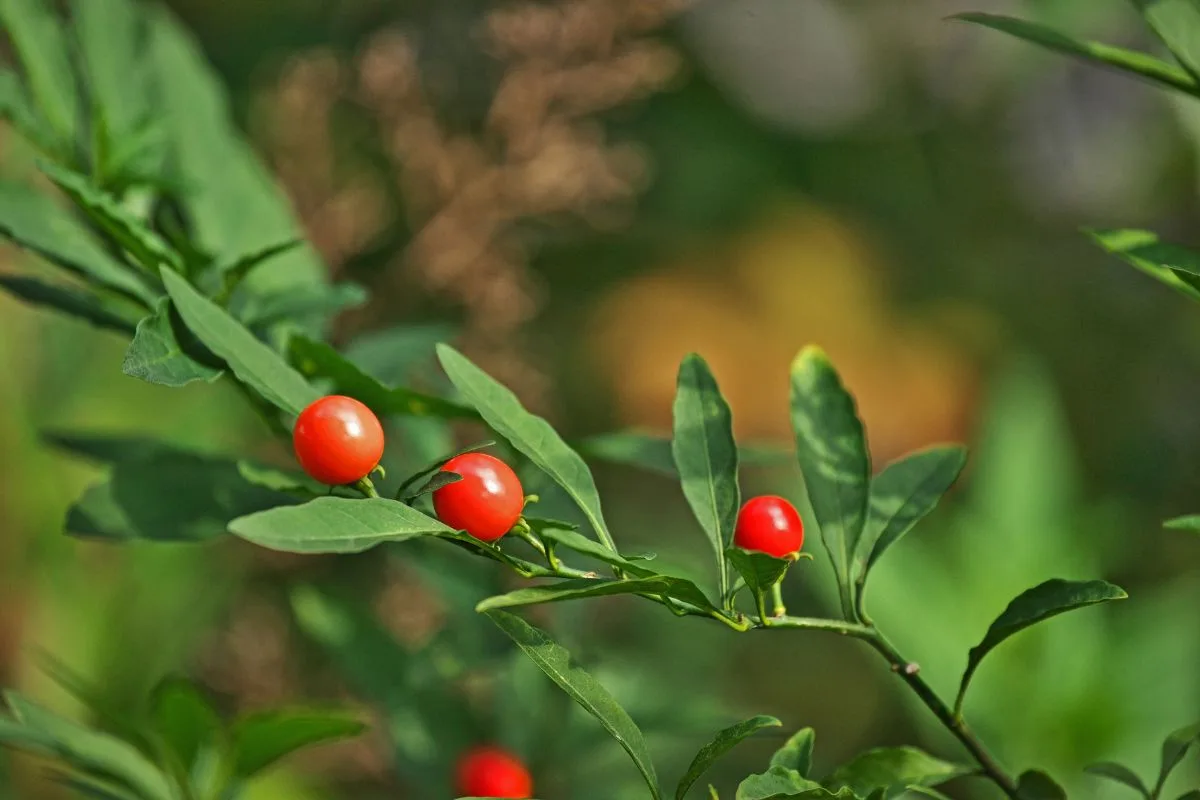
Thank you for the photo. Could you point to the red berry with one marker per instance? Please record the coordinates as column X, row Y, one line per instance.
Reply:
column 770, row 525
column 486, row 503
column 338, row 440
column 492, row 772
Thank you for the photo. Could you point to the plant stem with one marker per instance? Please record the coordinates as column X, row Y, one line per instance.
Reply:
column 761, row 601
column 777, row 598
column 366, row 486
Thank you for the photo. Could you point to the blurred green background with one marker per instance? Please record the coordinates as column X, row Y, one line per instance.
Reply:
column 582, row 193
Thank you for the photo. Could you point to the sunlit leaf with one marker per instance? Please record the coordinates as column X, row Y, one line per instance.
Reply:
column 796, row 752
column 336, row 525
column 888, row 767
column 1173, row 265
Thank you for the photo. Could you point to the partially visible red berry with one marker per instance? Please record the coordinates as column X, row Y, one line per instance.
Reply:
column 338, row 440
column 491, row 772
column 771, row 525
column 486, row 503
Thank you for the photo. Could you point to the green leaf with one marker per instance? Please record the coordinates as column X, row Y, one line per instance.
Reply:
column 759, row 570
column 797, row 752
column 33, row 221
column 93, row 788
column 1170, row 264
column 902, row 495
column 310, row 306
column 392, row 355
column 833, row 457
column 88, row 751
column 146, row 247
column 255, row 364
column 888, row 767
column 167, row 494
column 1174, row 749
column 337, row 525
column 158, row 354
column 1032, row 606
column 435, row 481
column 530, row 434
column 1119, row 774
column 42, row 48
column 1131, row 62
column 232, row 199
column 1193, row 794
column 260, row 740
column 279, row 480
column 111, row 37
column 722, row 743
column 184, row 719
column 234, row 270
column 1188, row 523
column 67, row 300
column 319, row 360
column 563, row 534
column 777, row 782
column 18, row 111
column 706, row 457
column 652, row 452
column 1177, row 23
column 1036, row 785
column 577, row 589
column 555, row 661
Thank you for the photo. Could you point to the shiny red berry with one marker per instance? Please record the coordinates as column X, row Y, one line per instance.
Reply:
column 486, row 503
column 770, row 525
column 338, row 440
column 492, row 772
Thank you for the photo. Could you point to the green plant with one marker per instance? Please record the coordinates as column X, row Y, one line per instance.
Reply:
column 204, row 275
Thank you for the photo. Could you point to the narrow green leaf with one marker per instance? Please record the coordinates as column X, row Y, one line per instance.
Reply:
column 778, row 782
column 318, row 360
column 89, row 751
column 94, row 788
column 42, row 48
column 759, row 570
column 33, row 221
column 184, row 719
column 1032, row 606
column 1193, row 794
column 111, row 36
column 1036, row 785
column 260, row 740
column 1177, row 23
column 555, row 661
column 902, row 495
column 575, row 589
column 17, row 109
column 706, row 457
column 888, row 767
column 1170, row 264
column 1174, row 748
column 1188, row 523
column 721, row 744
column 832, row 449
column 1119, row 774
column 796, row 752
column 253, row 362
column 563, row 534
column 528, row 433
column 234, row 270
column 393, row 355
column 146, row 247
column 157, row 353
column 652, row 452
column 280, row 480
column 232, row 199
column 336, row 525
column 435, row 481
column 66, row 299
column 1130, row 62
column 309, row 308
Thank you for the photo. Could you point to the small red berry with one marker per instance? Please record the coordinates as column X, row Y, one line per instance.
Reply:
column 770, row 525
column 486, row 503
column 338, row 440
column 492, row 772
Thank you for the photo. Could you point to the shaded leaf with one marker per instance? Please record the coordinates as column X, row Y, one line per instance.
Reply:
column 778, row 782
column 146, row 247
column 259, row 740
column 315, row 303
column 1177, row 23
column 565, row 534
column 579, row 588
column 111, row 36
column 184, row 720
column 706, row 457
column 889, row 767
column 436, row 481
column 1167, row 263
column 158, row 354
column 1035, row 605
column 336, row 525
column 234, row 270
column 392, row 355
column 1188, row 523
column 1130, row 62
column 555, row 661
column 33, row 221
column 1036, row 785
column 759, row 570
column 1174, row 748
column 1120, row 774
column 652, row 452
column 42, row 48
column 901, row 495
column 66, row 299
column 279, row 480
column 528, row 433
column 832, row 450
column 255, row 364
column 796, row 753
column 17, row 110
column 319, row 360
column 722, row 743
